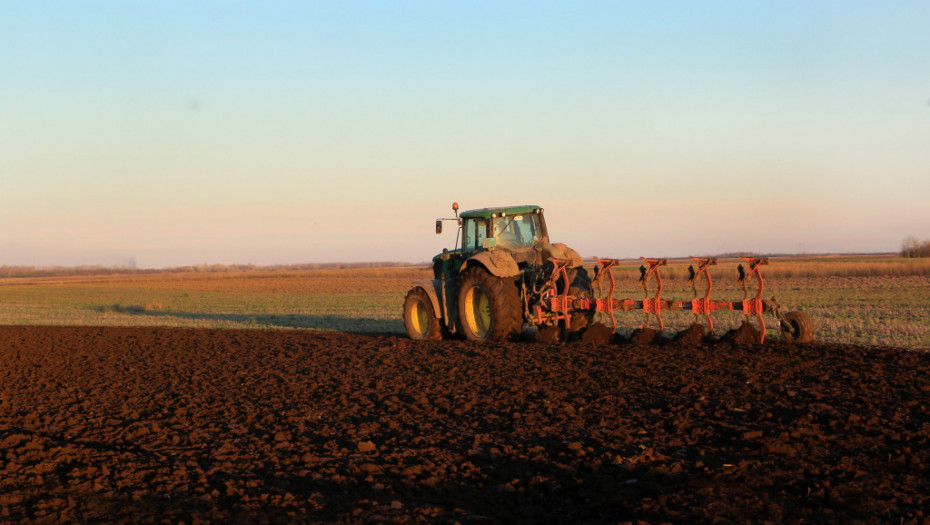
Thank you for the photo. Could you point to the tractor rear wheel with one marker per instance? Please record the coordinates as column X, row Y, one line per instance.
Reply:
column 489, row 306
column 801, row 328
column 419, row 318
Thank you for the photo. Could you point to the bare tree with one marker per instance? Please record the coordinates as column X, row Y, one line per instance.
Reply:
column 911, row 247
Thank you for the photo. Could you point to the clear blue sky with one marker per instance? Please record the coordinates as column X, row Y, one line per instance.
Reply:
column 171, row 133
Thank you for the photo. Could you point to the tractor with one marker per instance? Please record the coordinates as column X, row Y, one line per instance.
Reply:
column 505, row 273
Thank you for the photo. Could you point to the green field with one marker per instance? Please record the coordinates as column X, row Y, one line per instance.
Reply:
column 861, row 300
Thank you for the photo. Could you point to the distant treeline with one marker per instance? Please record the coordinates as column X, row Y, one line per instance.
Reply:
column 64, row 271
column 911, row 247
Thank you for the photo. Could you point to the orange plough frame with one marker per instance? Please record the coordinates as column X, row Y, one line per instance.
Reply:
column 561, row 305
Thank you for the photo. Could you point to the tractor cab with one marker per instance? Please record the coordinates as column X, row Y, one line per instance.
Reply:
column 510, row 229
column 513, row 228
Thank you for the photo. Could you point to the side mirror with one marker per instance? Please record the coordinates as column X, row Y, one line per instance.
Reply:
column 438, row 226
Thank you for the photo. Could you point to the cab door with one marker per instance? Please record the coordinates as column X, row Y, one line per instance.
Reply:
column 474, row 232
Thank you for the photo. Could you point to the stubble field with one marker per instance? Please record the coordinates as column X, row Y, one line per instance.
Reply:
column 857, row 300
column 166, row 398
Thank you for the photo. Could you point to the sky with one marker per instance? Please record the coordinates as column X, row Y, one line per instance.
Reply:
column 172, row 133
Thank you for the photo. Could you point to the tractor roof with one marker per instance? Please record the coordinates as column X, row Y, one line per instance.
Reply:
column 486, row 213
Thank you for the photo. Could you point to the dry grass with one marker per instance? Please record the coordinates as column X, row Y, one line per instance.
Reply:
column 76, row 271
column 877, row 300
column 865, row 300
column 842, row 267
column 821, row 266
column 361, row 300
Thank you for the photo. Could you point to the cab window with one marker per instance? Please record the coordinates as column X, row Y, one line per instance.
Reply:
column 517, row 231
column 475, row 232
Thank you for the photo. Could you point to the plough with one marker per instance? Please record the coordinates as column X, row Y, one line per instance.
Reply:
column 562, row 306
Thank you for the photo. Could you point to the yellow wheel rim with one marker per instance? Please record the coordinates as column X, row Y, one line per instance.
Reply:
column 478, row 312
column 420, row 319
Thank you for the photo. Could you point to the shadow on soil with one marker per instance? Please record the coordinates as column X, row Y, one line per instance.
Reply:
column 562, row 495
column 353, row 325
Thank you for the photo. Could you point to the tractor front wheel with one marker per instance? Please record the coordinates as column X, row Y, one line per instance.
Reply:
column 419, row 318
column 489, row 306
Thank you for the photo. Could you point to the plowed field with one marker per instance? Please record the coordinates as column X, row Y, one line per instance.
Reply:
column 248, row 426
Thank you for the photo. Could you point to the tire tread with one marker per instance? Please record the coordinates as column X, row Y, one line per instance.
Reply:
column 504, row 296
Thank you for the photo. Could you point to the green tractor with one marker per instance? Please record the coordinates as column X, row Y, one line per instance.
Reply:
column 498, row 277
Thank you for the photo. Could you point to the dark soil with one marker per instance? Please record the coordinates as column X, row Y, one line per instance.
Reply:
column 645, row 336
column 598, row 334
column 548, row 334
column 695, row 334
column 746, row 334
column 146, row 425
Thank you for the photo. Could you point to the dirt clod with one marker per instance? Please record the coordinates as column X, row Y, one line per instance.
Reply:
column 598, row 334
column 746, row 334
column 547, row 334
column 693, row 335
column 645, row 336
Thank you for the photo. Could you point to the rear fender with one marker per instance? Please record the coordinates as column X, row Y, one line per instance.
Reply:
column 561, row 251
column 497, row 263
column 433, row 290
column 441, row 293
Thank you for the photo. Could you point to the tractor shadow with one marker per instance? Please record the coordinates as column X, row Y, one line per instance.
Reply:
column 352, row 325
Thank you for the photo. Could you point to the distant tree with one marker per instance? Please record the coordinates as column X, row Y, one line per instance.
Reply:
column 911, row 247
